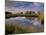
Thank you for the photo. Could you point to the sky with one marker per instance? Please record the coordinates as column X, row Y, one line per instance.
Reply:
column 20, row 6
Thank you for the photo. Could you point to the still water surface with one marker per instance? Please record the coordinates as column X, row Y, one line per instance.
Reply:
column 24, row 21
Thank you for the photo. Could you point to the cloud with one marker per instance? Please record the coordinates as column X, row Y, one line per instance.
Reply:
column 17, row 6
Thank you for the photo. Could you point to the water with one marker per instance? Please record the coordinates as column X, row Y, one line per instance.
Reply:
column 24, row 21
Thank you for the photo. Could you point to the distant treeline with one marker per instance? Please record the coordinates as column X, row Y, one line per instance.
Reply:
column 21, row 14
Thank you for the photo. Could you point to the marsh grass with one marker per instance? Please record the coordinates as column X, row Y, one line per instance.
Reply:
column 17, row 29
column 12, row 29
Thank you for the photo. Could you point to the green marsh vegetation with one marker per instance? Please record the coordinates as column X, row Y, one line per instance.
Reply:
column 12, row 29
column 17, row 29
